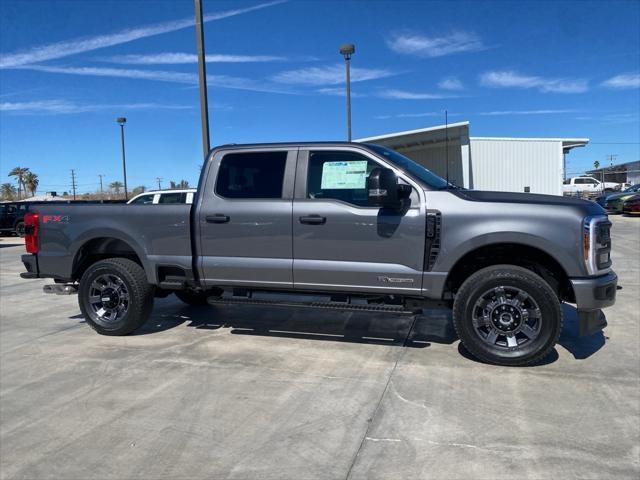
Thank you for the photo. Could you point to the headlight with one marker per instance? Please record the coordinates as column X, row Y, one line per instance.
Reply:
column 596, row 244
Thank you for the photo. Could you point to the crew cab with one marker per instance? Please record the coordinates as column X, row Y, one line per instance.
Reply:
column 346, row 226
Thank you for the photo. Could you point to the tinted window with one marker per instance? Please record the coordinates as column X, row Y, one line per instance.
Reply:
column 339, row 176
column 174, row 197
column 251, row 175
column 144, row 199
column 581, row 181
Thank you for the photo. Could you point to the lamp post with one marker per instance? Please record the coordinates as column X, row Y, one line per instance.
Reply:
column 121, row 121
column 346, row 50
column 202, row 79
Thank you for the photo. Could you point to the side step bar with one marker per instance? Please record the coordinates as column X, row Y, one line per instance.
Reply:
column 329, row 305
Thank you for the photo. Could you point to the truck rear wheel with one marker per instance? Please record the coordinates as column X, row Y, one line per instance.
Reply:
column 507, row 315
column 115, row 296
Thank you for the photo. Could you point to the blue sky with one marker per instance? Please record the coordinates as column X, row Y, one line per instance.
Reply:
column 531, row 69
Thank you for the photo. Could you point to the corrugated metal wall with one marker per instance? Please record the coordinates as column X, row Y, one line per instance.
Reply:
column 433, row 157
column 510, row 165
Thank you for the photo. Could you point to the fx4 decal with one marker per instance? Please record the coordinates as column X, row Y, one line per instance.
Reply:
column 56, row 218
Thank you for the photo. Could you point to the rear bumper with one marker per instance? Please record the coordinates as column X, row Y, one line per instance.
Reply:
column 30, row 262
column 593, row 294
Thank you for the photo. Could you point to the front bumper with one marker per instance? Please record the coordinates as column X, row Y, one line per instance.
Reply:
column 592, row 294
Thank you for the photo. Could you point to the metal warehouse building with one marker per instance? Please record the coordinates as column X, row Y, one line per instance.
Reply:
column 486, row 163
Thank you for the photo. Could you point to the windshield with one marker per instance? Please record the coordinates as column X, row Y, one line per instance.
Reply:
column 633, row 188
column 416, row 170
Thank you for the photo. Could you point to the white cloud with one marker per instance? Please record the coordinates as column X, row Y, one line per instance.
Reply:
column 623, row 81
column 611, row 118
column 420, row 115
column 329, row 75
column 526, row 112
column 223, row 81
column 450, row 83
column 405, row 95
column 415, row 115
column 511, row 79
column 339, row 92
column 62, row 107
column 424, row 46
column 87, row 44
column 173, row 58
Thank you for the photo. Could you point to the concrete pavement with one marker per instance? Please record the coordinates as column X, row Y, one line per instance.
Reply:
column 255, row 393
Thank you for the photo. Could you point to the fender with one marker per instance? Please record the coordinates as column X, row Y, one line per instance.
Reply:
column 449, row 257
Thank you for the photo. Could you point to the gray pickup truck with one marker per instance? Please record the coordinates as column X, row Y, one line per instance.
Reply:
column 343, row 226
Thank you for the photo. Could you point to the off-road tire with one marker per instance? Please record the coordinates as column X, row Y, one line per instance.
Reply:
column 140, row 295
column 519, row 278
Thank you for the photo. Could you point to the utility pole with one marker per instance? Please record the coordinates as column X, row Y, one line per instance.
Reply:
column 202, row 76
column 100, row 175
column 612, row 159
column 159, row 185
column 73, row 183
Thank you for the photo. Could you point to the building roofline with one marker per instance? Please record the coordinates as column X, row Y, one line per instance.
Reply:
column 536, row 139
column 413, row 132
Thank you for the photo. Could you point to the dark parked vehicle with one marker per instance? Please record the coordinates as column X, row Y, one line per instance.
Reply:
column 610, row 197
column 346, row 226
column 12, row 217
column 632, row 206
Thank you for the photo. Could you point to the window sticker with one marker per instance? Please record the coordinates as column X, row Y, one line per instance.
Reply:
column 344, row 175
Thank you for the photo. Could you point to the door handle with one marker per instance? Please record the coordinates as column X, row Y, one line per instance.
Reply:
column 217, row 218
column 313, row 220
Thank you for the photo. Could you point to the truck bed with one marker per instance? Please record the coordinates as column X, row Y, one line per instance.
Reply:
column 158, row 234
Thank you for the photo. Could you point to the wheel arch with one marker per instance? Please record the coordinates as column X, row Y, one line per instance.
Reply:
column 105, row 246
column 511, row 253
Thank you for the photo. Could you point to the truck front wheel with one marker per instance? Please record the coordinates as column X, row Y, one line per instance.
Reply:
column 507, row 315
column 115, row 297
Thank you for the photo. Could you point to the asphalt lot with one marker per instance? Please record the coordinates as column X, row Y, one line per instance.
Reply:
column 254, row 393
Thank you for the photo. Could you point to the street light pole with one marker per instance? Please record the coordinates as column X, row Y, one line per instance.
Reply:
column 202, row 77
column 347, row 50
column 121, row 121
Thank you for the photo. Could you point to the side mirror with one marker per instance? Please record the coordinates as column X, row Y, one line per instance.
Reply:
column 384, row 190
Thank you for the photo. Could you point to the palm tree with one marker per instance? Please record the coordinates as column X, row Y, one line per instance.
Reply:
column 8, row 191
column 138, row 190
column 116, row 186
column 31, row 182
column 183, row 184
column 19, row 173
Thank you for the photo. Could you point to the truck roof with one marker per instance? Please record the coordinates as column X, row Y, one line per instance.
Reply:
column 289, row 144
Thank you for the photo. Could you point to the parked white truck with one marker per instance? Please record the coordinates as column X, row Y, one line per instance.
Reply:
column 589, row 185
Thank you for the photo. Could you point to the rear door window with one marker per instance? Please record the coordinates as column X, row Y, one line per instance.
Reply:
column 251, row 175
